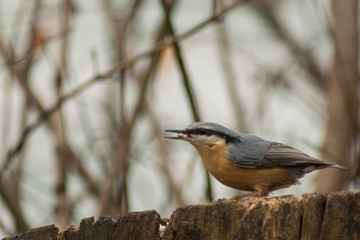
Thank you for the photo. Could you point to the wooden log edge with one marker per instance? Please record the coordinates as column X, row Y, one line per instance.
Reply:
column 316, row 216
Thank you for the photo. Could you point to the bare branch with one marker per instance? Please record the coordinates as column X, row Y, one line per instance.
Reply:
column 106, row 75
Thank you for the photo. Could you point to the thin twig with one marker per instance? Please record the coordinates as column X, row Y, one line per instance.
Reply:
column 10, row 198
column 64, row 154
column 115, row 196
column 146, row 77
column 184, row 73
column 188, row 88
column 174, row 191
column 229, row 76
column 106, row 75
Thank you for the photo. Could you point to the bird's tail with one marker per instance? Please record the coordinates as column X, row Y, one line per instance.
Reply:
column 322, row 166
column 338, row 166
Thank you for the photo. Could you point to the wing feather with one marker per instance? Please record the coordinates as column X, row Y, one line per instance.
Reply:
column 272, row 154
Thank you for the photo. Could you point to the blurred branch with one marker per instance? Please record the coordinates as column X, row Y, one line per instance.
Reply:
column 20, row 15
column 114, row 198
column 64, row 153
column 215, row 6
column 105, row 76
column 126, row 132
column 188, row 88
column 20, row 222
column 341, row 144
column 20, row 69
column 184, row 73
column 173, row 189
column 229, row 76
column 266, row 10
column 11, row 198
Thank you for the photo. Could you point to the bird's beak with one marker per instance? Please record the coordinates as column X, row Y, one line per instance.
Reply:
column 181, row 134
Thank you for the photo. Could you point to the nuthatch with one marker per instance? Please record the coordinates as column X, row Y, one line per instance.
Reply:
column 247, row 162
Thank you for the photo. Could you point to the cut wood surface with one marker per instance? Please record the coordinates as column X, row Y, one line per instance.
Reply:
column 317, row 216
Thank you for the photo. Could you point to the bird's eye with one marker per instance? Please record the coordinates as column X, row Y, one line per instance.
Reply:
column 202, row 131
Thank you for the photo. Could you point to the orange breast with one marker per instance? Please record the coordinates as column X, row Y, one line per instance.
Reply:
column 247, row 179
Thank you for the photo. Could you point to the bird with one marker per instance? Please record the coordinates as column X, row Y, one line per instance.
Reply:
column 247, row 162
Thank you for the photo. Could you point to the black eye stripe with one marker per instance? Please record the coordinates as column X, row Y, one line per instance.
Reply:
column 202, row 131
column 210, row 132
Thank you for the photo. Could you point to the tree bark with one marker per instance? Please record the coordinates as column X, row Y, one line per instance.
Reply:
column 316, row 216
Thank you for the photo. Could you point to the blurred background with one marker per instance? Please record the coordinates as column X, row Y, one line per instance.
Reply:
column 88, row 87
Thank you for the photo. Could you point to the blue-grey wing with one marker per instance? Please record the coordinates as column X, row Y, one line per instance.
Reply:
column 269, row 154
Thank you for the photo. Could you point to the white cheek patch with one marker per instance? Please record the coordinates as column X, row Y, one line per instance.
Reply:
column 202, row 141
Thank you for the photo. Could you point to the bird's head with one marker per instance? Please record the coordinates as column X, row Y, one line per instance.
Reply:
column 204, row 134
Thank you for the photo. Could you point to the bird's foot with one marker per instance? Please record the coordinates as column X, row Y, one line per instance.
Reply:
column 239, row 197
